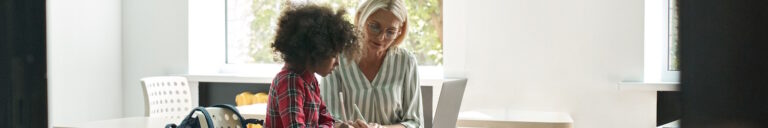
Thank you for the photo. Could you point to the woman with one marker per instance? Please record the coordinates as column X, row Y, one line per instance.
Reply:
column 383, row 83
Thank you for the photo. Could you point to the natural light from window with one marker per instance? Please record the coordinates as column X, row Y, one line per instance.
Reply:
column 250, row 27
column 661, row 62
column 672, row 39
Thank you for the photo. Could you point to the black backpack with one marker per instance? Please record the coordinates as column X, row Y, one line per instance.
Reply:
column 191, row 121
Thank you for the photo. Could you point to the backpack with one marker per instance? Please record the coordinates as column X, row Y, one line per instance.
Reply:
column 192, row 121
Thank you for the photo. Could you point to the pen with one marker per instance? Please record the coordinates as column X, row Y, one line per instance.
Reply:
column 357, row 110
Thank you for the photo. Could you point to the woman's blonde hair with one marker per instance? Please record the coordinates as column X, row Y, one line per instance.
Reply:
column 397, row 7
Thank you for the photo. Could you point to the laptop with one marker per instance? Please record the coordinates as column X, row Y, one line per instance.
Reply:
column 447, row 111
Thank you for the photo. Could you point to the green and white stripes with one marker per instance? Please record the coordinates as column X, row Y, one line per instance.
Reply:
column 394, row 96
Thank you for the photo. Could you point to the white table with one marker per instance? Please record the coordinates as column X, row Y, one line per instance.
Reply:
column 130, row 122
column 255, row 111
column 430, row 88
column 508, row 118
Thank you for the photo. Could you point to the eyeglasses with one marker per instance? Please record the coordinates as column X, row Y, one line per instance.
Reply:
column 375, row 30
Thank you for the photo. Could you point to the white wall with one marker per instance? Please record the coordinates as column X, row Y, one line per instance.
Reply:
column 542, row 55
column 552, row 55
column 84, row 60
column 154, row 44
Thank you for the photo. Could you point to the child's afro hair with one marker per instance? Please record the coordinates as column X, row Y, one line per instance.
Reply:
column 309, row 34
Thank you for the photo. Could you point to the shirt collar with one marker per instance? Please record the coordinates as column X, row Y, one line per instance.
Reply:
column 306, row 75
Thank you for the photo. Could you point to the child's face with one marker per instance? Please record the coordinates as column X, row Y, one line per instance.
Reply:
column 325, row 67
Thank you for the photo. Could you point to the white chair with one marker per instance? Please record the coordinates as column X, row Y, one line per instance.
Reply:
column 166, row 96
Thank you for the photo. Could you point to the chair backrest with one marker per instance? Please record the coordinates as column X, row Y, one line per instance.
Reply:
column 449, row 103
column 221, row 118
column 166, row 96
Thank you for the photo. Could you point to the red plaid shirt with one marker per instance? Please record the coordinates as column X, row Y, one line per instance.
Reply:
column 294, row 102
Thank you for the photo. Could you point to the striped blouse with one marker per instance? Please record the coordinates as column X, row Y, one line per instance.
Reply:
column 394, row 96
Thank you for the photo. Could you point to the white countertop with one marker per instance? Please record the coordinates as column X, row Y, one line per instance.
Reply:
column 649, row 86
column 514, row 118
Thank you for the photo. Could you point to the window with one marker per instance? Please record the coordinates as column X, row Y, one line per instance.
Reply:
column 672, row 39
column 660, row 41
column 250, row 27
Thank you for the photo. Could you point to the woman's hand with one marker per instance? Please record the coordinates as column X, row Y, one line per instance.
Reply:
column 348, row 124
column 359, row 124
column 363, row 124
column 374, row 125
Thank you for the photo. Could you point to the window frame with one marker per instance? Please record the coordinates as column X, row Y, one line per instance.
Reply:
column 208, row 53
column 668, row 75
column 656, row 43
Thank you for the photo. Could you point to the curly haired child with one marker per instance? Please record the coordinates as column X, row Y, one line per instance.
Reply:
column 309, row 39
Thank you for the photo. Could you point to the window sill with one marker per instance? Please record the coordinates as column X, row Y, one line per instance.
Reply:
column 227, row 78
column 263, row 73
column 649, row 86
column 236, row 78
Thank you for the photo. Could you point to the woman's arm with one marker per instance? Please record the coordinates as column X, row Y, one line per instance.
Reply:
column 413, row 113
column 363, row 124
column 394, row 126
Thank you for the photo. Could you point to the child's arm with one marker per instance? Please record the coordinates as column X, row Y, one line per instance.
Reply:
column 326, row 120
column 291, row 98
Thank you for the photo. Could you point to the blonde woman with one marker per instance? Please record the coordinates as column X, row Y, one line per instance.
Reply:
column 383, row 83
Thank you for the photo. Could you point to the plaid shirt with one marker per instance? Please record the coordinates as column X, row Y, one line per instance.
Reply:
column 294, row 102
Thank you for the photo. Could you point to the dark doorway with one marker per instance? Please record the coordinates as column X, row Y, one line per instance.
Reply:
column 724, row 63
column 23, row 83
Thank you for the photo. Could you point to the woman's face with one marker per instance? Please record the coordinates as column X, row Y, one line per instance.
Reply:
column 381, row 29
column 325, row 67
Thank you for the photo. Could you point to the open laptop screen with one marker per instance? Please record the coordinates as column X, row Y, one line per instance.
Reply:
column 449, row 103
